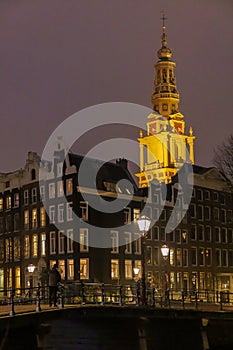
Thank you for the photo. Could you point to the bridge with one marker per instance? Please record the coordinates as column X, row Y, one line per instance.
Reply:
column 94, row 321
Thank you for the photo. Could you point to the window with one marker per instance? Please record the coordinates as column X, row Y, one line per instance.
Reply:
column 192, row 210
column 26, row 219
column 42, row 193
column 69, row 186
column 230, row 258
column 148, row 255
column 218, row 257
column 84, row 210
column 200, row 212
column 70, row 241
column 114, row 242
column 137, row 242
column 60, row 213
column 208, row 233
column 128, row 269
column 8, row 202
column 138, row 265
column 229, row 215
column 178, row 235
column 69, row 211
column 59, row 169
column 200, row 232
column 230, row 235
column 52, row 214
column 17, row 279
column 163, row 215
column 84, row 269
column 16, row 222
column 193, row 233
column 216, row 214
column 42, row 217
column 216, row 196
column 62, row 270
column 34, row 195
column 194, row 256
column 52, row 242
column 34, row 218
column 60, row 190
column 223, row 215
column 224, row 257
column 70, row 269
column 217, row 234
column 1, row 224
column 17, row 247
column 1, row 253
column 26, row 246
column 52, row 190
column 83, row 239
column 199, row 195
column 172, row 257
column 61, row 240
column 201, row 256
column 1, row 204
column 33, row 174
column 128, row 243
column 8, row 223
column 16, row 200
column 207, row 213
column 8, row 247
column 25, row 197
column 114, row 268
column 207, row 195
column 156, row 256
column 127, row 215
column 43, row 244
column 136, row 214
column 208, row 256
column 224, row 234
column 34, row 245
column 185, row 257
column 155, row 214
column 171, row 236
column 155, row 233
column 222, row 198
column 162, row 234
column 178, row 257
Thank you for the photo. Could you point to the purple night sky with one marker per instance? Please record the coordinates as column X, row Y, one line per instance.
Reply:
column 59, row 56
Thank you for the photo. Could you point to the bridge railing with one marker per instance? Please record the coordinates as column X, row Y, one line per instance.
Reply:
column 110, row 294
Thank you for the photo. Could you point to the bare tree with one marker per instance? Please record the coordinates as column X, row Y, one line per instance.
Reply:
column 223, row 158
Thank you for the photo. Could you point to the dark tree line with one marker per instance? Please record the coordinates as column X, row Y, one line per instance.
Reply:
column 223, row 158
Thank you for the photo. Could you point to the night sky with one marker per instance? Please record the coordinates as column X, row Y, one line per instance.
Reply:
column 59, row 56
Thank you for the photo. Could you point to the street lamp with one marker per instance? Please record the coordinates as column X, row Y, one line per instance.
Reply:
column 31, row 269
column 144, row 225
column 165, row 255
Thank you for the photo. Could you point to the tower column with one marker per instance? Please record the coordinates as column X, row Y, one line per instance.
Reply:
column 141, row 156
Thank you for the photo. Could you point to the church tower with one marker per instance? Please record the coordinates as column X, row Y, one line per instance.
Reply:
column 165, row 147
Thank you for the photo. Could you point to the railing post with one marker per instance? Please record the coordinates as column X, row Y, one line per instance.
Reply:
column 221, row 300
column 38, row 308
column 120, row 296
column 12, row 303
column 61, row 298
column 102, row 294
column 182, row 295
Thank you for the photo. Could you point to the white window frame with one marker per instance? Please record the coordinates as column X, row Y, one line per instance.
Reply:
column 61, row 242
column 52, row 242
column 83, row 240
column 114, row 242
column 70, row 241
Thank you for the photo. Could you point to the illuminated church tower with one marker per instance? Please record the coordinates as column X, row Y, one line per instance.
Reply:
column 165, row 147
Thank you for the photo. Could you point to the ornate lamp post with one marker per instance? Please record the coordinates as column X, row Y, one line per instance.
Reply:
column 165, row 255
column 144, row 225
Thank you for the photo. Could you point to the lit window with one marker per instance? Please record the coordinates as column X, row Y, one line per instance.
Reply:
column 70, row 241
column 172, row 257
column 53, row 242
column 34, row 245
column 179, row 257
column 136, row 214
column 114, row 242
column 52, row 190
column 26, row 246
column 148, row 255
column 16, row 199
column 17, row 248
column 70, row 269
column 34, row 218
column 26, row 219
column 8, row 202
column 69, row 186
column 84, row 210
column 1, row 204
column 127, row 214
column 128, row 269
column 61, row 268
column 84, row 269
column 17, row 279
column 43, row 244
column 61, row 240
column 83, row 239
column 201, row 256
column 60, row 190
column 42, row 217
column 114, row 268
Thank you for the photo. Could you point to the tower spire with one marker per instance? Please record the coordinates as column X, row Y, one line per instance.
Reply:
column 164, row 36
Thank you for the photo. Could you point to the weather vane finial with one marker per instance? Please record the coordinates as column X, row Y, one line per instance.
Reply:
column 163, row 18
